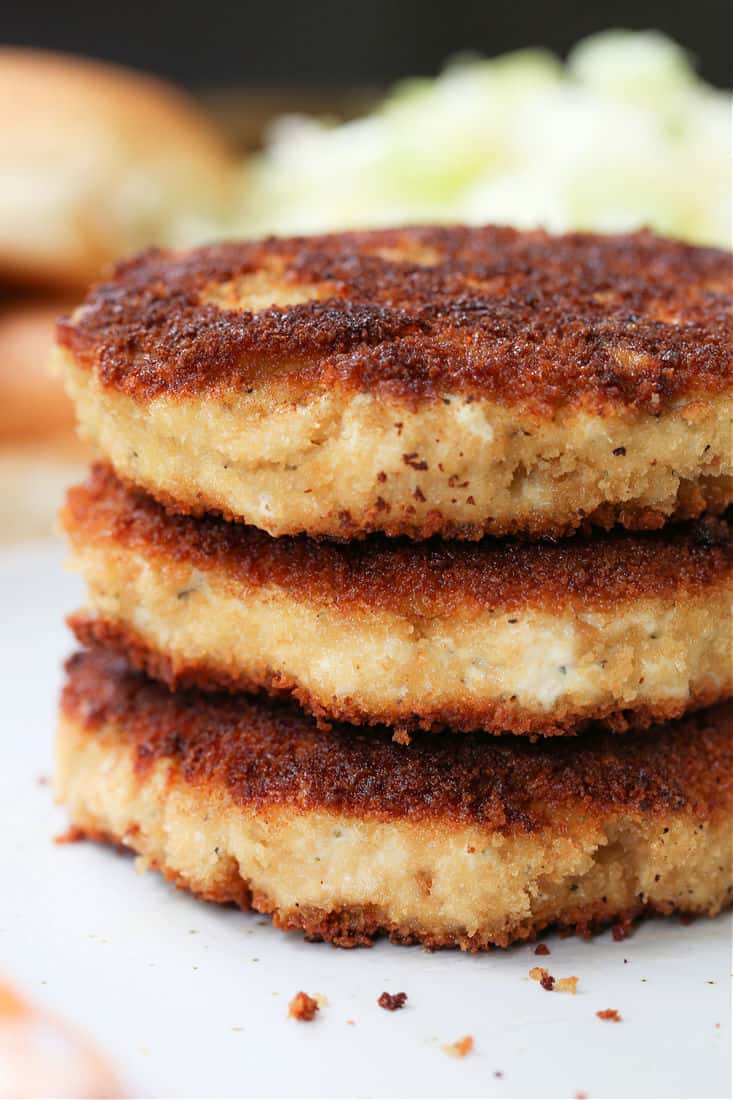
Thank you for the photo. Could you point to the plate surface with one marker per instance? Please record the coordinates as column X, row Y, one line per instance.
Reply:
column 190, row 1000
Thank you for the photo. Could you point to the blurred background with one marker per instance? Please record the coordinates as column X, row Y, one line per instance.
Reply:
column 331, row 43
column 174, row 123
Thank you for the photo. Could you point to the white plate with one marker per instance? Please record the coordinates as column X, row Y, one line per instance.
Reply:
column 191, row 1000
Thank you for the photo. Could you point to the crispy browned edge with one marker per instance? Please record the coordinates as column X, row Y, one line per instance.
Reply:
column 488, row 716
column 430, row 578
column 496, row 313
column 266, row 755
column 711, row 495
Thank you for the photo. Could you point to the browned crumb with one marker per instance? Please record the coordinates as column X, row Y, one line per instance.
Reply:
column 392, row 1001
column 303, row 1007
column 621, row 931
column 460, row 1048
column 686, row 918
column 542, row 949
column 609, row 1014
column 419, row 331
column 351, row 1022
column 401, row 737
column 547, row 982
column 566, row 985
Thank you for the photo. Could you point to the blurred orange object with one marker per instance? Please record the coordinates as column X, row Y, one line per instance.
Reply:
column 99, row 161
column 43, row 1056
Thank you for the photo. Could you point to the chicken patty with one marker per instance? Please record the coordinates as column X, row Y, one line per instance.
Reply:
column 498, row 635
column 449, row 841
column 451, row 381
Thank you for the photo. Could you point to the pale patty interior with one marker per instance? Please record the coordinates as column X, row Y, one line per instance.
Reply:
column 661, row 651
column 289, row 460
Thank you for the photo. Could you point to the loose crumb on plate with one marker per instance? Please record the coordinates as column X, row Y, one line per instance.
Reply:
column 460, row 1048
column 609, row 1014
column 544, row 977
column 392, row 1001
column 548, row 982
column 542, row 949
column 303, row 1007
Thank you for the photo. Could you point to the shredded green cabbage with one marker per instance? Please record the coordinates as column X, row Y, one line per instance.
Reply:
column 624, row 134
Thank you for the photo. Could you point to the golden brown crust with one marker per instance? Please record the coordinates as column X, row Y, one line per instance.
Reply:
column 269, row 754
column 490, row 715
column 521, row 316
column 359, row 928
column 429, row 578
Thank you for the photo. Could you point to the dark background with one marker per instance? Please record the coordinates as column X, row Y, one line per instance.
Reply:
column 326, row 42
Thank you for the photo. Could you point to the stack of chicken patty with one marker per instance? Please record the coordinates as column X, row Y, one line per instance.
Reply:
column 410, row 582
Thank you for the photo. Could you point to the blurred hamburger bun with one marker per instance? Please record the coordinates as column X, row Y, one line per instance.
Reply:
column 99, row 161
column 39, row 451
column 33, row 403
